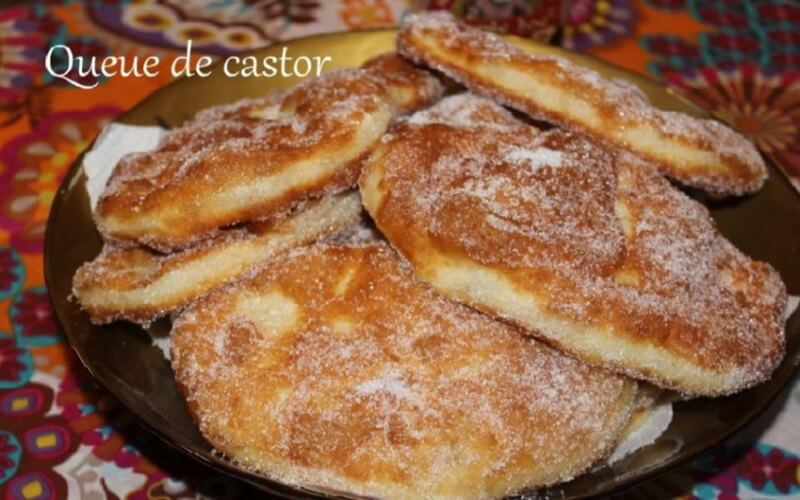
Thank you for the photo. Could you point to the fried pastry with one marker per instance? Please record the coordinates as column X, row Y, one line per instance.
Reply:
column 334, row 368
column 587, row 248
column 140, row 285
column 696, row 152
column 408, row 88
column 258, row 157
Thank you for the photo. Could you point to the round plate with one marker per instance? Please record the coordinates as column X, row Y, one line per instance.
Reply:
column 121, row 356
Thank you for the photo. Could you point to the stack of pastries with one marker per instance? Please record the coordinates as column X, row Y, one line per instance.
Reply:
column 509, row 298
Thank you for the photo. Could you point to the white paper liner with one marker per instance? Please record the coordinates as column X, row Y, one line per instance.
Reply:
column 658, row 419
column 115, row 141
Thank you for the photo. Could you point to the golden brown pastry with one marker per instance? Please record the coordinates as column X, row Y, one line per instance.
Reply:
column 258, row 157
column 589, row 249
column 140, row 285
column 335, row 369
column 700, row 153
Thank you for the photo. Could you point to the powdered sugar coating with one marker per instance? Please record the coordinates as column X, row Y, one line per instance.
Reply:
column 601, row 240
column 464, row 111
column 504, row 190
column 409, row 89
column 255, row 158
column 619, row 105
column 534, row 158
column 140, row 285
column 371, row 383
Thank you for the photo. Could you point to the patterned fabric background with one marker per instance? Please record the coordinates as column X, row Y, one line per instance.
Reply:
column 61, row 435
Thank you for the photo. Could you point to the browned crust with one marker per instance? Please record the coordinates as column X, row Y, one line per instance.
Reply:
column 411, row 88
column 744, row 170
column 133, row 274
column 182, row 185
column 732, row 323
column 530, row 401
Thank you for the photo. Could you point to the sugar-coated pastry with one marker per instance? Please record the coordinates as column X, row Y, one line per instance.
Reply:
column 141, row 285
column 258, row 157
column 700, row 153
column 587, row 248
column 335, row 369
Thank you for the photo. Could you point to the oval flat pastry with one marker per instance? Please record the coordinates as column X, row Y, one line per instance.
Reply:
column 700, row 153
column 589, row 249
column 258, row 157
column 138, row 284
column 335, row 369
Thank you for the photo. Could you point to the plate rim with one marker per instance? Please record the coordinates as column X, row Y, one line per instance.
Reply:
column 286, row 490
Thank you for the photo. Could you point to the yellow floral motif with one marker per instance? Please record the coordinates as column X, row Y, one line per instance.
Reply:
column 358, row 14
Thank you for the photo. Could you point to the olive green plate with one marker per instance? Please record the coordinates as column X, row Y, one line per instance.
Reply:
column 122, row 357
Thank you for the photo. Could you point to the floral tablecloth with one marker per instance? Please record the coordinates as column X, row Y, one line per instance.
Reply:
column 61, row 435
